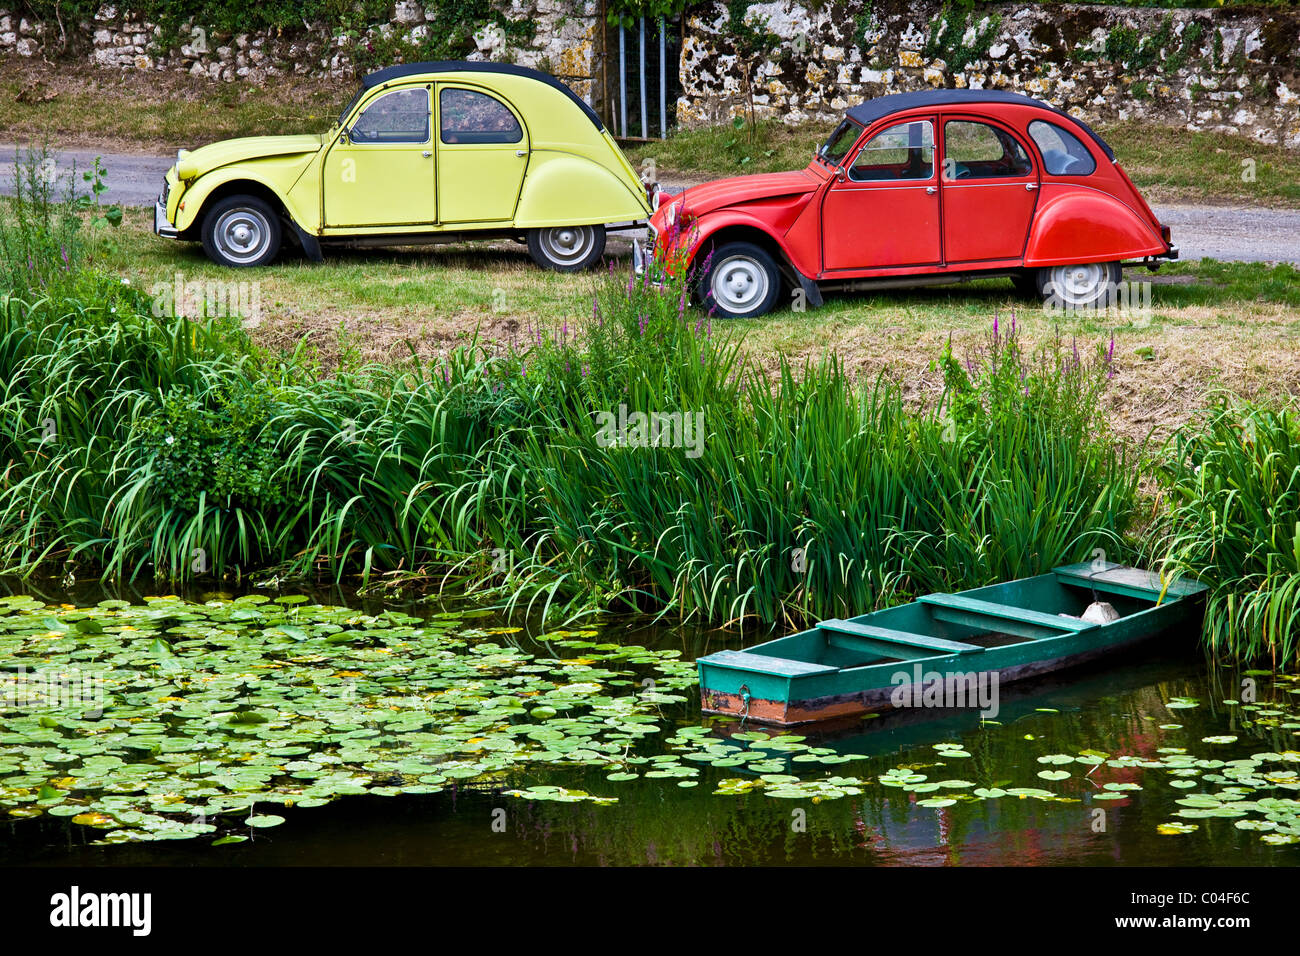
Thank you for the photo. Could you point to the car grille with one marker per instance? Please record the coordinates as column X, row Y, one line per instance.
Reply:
column 166, row 191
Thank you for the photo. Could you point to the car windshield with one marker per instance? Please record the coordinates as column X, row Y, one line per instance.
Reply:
column 840, row 142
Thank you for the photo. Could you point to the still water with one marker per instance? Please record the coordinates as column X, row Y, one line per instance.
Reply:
column 1096, row 814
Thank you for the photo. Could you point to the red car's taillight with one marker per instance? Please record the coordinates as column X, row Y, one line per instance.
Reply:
column 1165, row 234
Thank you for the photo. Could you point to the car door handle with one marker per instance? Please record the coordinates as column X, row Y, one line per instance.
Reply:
column 426, row 154
column 1031, row 186
column 521, row 152
column 930, row 190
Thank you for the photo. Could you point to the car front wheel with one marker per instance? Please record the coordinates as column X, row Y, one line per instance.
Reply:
column 1088, row 285
column 566, row 248
column 241, row 231
column 743, row 281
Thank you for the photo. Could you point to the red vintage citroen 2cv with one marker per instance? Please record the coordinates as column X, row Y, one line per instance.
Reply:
column 918, row 189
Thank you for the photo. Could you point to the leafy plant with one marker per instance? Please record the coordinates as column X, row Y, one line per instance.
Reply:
column 1231, row 483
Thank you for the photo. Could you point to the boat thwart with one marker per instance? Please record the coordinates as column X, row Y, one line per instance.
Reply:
column 1000, row 633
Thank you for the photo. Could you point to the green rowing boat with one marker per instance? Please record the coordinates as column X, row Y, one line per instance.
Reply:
column 947, row 650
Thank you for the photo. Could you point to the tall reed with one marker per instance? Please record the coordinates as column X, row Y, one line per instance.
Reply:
column 1231, row 484
column 132, row 445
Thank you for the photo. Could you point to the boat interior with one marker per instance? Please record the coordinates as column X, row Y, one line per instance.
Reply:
column 940, row 625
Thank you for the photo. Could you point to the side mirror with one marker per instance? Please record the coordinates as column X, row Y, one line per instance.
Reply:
column 345, row 135
column 840, row 174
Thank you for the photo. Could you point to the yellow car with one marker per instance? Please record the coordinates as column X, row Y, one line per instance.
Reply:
column 425, row 152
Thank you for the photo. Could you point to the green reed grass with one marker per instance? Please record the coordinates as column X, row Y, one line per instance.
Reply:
column 813, row 495
column 136, row 445
column 1232, row 519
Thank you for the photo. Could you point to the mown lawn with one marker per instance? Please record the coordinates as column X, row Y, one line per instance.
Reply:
column 1211, row 325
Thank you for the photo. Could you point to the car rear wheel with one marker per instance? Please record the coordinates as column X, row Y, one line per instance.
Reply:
column 1086, row 285
column 566, row 248
column 241, row 231
column 743, row 281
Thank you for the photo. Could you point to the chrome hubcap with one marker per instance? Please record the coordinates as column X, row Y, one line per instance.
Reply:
column 568, row 245
column 242, row 234
column 1080, row 284
column 738, row 284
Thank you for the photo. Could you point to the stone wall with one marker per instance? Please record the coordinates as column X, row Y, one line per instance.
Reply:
column 564, row 43
column 1233, row 70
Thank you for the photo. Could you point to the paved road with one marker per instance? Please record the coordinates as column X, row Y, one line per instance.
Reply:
column 1239, row 233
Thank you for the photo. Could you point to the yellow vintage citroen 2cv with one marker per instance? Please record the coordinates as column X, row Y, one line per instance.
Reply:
column 425, row 152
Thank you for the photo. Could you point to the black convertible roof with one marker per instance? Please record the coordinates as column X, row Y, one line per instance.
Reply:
column 402, row 70
column 868, row 111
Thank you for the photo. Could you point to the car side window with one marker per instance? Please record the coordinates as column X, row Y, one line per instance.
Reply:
column 401, row 116
column 905, row 151
column 465, row 116
column 1063, row 152
column 973, row 150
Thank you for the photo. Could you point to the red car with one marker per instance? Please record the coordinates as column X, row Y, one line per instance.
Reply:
column 918, row 189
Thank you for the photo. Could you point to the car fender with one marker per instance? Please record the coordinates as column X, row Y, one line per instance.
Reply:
column 1074, row 224
column 703, row 229
column 277, row 175
column 563, row 189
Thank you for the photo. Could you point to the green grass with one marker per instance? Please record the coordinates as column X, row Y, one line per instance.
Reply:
column 1231, row 482
column 122, row 109
column 164, row 447
column 1226, row 325
column 139, row 445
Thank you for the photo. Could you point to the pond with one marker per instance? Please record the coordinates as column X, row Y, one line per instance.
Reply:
column 327, row 729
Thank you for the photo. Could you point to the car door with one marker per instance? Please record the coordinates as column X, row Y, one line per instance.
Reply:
column 482, row 156
column 882, row 210
column 989, row 186
column 380, row 171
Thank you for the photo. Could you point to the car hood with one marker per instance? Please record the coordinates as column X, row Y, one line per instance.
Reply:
column 227, row 151
column 740, row 189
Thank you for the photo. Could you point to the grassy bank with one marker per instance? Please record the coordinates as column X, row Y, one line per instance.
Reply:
column 1211, row 325
column 139, row 446
column 138, row 442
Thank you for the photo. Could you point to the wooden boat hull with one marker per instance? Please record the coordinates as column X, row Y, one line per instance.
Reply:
column 955, row 648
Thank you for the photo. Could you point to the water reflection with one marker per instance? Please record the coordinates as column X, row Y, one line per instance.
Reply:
column 1117, row 708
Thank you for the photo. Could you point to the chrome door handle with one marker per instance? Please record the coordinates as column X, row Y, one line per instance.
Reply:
column 427, row 154
column 521, row 152
column 931, row 190
column 1031, row 186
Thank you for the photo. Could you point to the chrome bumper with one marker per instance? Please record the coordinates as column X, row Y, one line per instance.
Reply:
column 638, row 257
column 161, row 226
